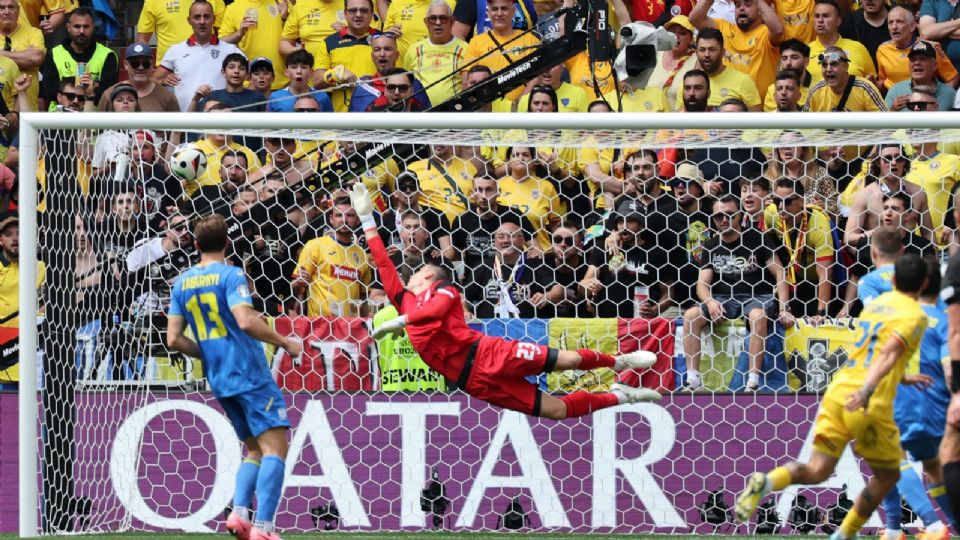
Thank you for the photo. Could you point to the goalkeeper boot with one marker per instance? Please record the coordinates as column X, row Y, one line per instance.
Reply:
column 634, row 395
column 238, row 526
column 635, row 360
column 750, row 497
column 257, row 534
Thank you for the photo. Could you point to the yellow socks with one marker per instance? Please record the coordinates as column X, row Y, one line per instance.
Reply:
column 852, row 523
column 779, row 478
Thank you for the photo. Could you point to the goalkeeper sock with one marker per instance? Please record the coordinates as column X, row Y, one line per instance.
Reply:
column 592, row 359
column 583, row 403
column 938, row 492
column 911, row 487
column 891, row 507
column 246, row 483
column 269, row 486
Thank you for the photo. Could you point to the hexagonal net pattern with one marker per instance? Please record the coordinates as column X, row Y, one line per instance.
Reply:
column 716, row 250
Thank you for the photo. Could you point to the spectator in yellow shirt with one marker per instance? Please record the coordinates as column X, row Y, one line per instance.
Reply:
column 346, row 55
column 795, row 57
column 255, row 26
column 171, row 22
column 309, row 23
column 826, row 23
column 405, row 18
column 23, row 44
column 725, row 83
column 673, row 64
column 570, row 97
column 751, row 44
column 437, row 59
column 786, row 92
column 502, row 44
column 826, row 95
column 893, row 64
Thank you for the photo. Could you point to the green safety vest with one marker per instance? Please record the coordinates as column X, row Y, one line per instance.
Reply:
column 401, row 368
column 67, row 66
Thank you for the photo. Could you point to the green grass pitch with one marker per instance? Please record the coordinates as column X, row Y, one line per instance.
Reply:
column 416, row 536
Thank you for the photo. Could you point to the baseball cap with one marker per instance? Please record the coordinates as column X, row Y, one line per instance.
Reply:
column 261, row 62
column 146, row 135
column 681, row 20
column 122, row 87
column 689, row 171
column 7, row 219
column 139, row 50
column 923, row 47
column 631, row 215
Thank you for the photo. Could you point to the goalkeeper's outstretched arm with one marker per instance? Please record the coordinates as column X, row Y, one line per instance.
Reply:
column 392, row 284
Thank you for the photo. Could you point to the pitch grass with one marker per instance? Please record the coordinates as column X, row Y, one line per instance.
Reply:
column 420, row 536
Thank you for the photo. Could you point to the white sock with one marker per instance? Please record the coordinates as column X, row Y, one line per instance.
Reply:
column 265, row 526
column 693, row 378
column 935, row 527
column 243, row 512
column 621, row 396
column 893, row 534
column 753, row 378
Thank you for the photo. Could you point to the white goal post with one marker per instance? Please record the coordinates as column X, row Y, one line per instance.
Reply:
column 419, row 128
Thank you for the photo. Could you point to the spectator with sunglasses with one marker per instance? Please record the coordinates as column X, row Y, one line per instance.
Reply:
column 138, row 62
column 299, row 67
column 565, row 263
column 687, row 188
column 99, row 62
column 740, row 276
column 436, row 60
column 406, row 18
column 826, row 95
column 923, row 80
column 399, row 93
column 371, row 93
column 346, row 55
column 827, row 17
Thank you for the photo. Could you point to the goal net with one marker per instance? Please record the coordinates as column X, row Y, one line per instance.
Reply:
column 713, row 241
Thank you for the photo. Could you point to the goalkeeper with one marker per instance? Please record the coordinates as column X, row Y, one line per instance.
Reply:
column 488, row 368
column 214, row 300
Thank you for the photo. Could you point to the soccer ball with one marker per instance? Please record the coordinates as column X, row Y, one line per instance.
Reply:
column 188, row 162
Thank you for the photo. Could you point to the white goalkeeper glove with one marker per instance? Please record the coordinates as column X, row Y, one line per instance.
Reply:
column 360, row 199
column 394, row 326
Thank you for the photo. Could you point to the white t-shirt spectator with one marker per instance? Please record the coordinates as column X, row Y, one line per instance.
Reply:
column 197, row 65
column 110, row 145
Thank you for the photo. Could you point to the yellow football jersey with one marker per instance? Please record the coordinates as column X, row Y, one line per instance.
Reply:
column 936, row 175
column 339, row 276
column 438, row 192
column 535, row 198
column 213, row 153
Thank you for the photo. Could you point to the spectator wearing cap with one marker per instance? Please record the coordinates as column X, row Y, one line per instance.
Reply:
column 725, row 83
column 794, row 57
column 80, row 50
column 751, row 43
column 693, row 223
column 197, row 62
column 262, row 76
column 23, row 44
column 346, row 55
column 256, row 26
column 924, row 61
column 151, row 96
column 299, row 67
column 673, row 64
column 939, row 23
column 10, row 282
column 112, row 148
column 625, row 280
column 309, row 23
column 826, row 24
column 893, row 56
column 235, row 68
column 438, row 55
column 406, row 19
column 826, row 94
column 171, row 22
column 372, row 88
column 740, row 276
column 868, row 25
column 486, row 48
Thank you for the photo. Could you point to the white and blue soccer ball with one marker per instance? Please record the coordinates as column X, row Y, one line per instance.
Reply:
column 188, row 162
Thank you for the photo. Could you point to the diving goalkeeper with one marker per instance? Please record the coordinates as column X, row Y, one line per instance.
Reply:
column 488, row 368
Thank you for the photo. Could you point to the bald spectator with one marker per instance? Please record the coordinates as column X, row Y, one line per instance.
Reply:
column 868, row 25
column 406, row 20
column 826, row 24
column 438, row 56
column 795, row 57
column 345, row 56
column 751, row 44
column 197, row 62
column 893, row 56
column 725, row 83
column 23, row 44
column 829, row 93
column 255, row 26
column 383, row 52
column 311, row 22
column 170, row 21
column 138, row 63
column 486, row 49
column 469, row 18
column 923, row 74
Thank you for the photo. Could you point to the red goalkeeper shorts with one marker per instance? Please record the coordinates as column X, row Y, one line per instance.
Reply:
column 497, row 371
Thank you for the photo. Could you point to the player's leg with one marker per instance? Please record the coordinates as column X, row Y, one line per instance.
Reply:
column 893, row 516
column 273, row 444
column 586, row 359
column 880, row 483
column 239, row 521
column 912, row 487
column 693, row 324
column 936, row 488
column 818, row 469
column 584, row 403
column 950, row 457
column 759, row 325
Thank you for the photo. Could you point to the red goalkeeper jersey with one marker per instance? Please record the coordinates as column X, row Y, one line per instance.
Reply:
column 435, row 322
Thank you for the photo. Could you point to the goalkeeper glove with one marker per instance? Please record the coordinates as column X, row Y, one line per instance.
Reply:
column 360, row 199
column 393, row 326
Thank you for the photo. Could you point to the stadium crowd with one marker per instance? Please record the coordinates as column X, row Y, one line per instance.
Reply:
column 702, row 235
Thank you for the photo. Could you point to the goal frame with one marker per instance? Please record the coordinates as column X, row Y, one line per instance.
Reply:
column 32, row 123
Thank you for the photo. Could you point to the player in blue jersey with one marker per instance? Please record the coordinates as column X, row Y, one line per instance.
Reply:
column 886, row 247
column 214, row 300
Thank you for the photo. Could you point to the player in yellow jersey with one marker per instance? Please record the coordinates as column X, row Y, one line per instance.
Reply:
column 858, row 404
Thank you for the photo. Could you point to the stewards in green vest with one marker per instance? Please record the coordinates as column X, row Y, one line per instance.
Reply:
column 401, row 368
column 79, row 51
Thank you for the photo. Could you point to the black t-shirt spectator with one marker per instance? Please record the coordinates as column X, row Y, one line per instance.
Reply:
column 726, row 165
column 272, row 262
column 434, row 221
column 573, row 304
column 483, row 288
column 244, row 101
column 740, row 267
column 473, row 236
column 856, row 27
column 639, row 267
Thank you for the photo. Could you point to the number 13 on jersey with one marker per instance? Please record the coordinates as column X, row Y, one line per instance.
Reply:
column 206, row 314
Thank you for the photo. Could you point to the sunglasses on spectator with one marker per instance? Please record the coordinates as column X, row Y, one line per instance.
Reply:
column 563, row 240
column 139, row 64
column 891, row 157
column 179, row 227
column 435, row 19
column 407, row 187
column 684, row 182
column 832, row 59
column 384, row 34
column 356, row 10
column 306, row 109
column 398, row 88
column 777, row 201
column 919, row 105
column 74, row 97
column 719, row 216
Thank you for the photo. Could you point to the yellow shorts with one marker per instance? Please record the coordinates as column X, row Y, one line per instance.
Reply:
column 877, row 436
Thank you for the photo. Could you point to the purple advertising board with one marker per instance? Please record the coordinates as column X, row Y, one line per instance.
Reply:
column 169, row 463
